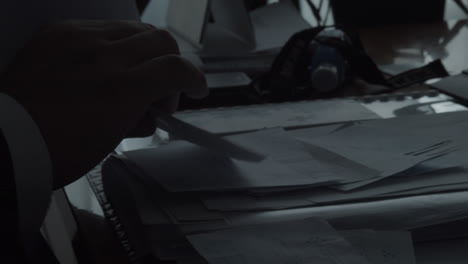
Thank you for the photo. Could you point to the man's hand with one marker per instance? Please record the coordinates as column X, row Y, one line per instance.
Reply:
column 89, row 84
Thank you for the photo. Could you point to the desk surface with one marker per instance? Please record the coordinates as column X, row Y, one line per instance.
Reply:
column 415, row 45
column 103, row 246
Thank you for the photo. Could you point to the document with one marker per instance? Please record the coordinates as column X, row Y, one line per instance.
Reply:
column 392, row 147
column 382, row 247
column 427, row 190
column 287, row 115
column 274, row 24
column 246, row 202
column 306, row 159
column 299, row 242
column 203, row 138
column 454, row 85
column 145, row 204
column 189, row 209
column 387, row 214
column 405, row 167
column 451, row 179
column 183, row 167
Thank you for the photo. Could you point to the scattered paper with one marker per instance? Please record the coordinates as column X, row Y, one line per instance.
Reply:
column 275, row 23
column 246, row 202
column 183, row 167
column 299, row 242
column 454, row 85
column 437, row 181
column 287, row 115
column 382, row 247
column 308, row 160
column 393, row 148
column 203, row 138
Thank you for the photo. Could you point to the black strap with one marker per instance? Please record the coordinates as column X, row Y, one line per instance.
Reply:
column 432, row 70
column 280, row 77
column 281, row 81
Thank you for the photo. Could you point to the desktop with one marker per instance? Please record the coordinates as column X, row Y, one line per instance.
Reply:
column 383, row 103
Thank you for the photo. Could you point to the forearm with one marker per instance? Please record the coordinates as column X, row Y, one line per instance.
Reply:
column 29, row 173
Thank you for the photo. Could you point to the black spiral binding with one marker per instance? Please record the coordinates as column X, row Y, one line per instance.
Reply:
column 95, row 180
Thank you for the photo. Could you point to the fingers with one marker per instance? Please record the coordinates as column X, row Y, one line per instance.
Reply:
column 167, row 76
column 120, row 44
column 168, row 105
column 147, row 125
column 69, row 39
column 142, row 47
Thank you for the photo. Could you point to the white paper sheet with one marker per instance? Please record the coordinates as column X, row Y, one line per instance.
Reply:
column 382, row 247
column 182, row 167
column 185, row 131
column 436, row 181
column 390, row 214
column 309, row 160
column 427, row 190
column 274, row 24
column 397, row 145
column 246, row 202
column 299, row 242
column 286, row 115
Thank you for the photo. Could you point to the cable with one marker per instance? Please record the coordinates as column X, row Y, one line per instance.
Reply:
column 315, row 11
column 462, row 6
column 320, row 5
column 327, row 16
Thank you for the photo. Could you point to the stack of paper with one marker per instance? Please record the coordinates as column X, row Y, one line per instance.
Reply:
column 303, row 242
column 185, row 191
column 184, row 167
column 300, row 241
column 161, row 235
column 365, row 160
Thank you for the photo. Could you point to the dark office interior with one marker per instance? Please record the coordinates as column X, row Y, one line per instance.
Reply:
column 234, row 131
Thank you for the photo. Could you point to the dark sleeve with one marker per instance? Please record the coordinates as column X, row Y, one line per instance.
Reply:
column 8, row 219
column 7, row 187
column 37, row 250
